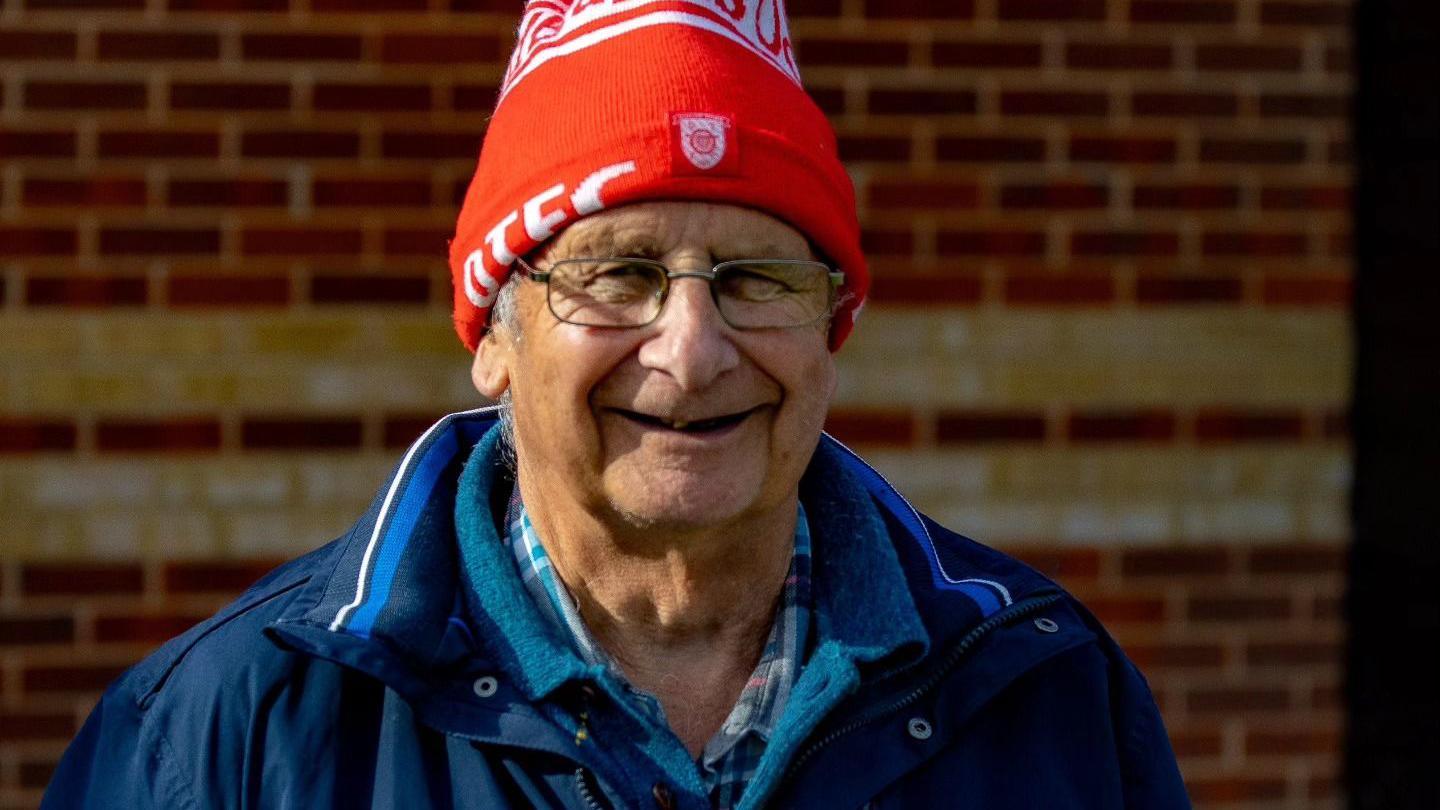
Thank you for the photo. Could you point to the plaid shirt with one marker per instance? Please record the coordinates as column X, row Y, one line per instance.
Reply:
column 732, row 756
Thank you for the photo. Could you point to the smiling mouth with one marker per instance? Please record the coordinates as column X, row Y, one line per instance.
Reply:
column 712, row 425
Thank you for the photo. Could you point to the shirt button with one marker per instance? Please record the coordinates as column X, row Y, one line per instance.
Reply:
column 485, row 686
column 664, row 799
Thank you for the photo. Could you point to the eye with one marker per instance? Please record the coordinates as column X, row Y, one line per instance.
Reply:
column 614, row 280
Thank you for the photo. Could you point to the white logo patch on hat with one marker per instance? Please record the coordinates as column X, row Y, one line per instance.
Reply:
column 707, row 141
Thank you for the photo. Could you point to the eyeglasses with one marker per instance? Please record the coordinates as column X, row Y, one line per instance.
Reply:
column 630, row 292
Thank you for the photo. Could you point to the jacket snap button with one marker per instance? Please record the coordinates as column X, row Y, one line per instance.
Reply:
column 919, row 728
column 485, row 686
column 1046, row 626
column 664, row 799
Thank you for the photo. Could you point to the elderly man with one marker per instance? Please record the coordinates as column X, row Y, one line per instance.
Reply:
column 648, row 579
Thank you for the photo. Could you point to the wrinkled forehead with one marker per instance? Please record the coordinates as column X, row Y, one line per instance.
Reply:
column 656, row 229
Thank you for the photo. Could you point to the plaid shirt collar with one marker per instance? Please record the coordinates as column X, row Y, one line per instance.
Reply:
column 732, row 756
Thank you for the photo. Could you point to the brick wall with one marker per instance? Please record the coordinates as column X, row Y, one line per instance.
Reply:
column 1109, row 327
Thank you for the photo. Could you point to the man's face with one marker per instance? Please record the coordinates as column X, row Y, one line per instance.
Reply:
column 598, row 412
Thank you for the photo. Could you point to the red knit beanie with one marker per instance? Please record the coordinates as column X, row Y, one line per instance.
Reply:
column 608, row 102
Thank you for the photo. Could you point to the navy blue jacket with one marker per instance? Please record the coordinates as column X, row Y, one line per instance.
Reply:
column 404, row 666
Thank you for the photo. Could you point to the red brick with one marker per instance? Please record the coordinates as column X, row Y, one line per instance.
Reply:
column 1264, row 742
column 1175, row 655
column 990, row 242
column 157, row 435
column 352, row 97
column 337, row 288
column 37, row 143
column 1238, row 608
column 1184, row 105
column 830, row 100
column 17, row 631
column 985, row 54
column 1125, row 243
column 1336, row 424
column 128, row 144
column 153, row 46
column 1055, row 196
column 416, row 241
column 37, row 241
column 1188, row 743
column 926, row 289
column 228, row 291
column 1127, row 56
column 875, row 427
column 483, row 6
column 85, row 291
column 76, row 5
column 99, row 192
column 81, row 579
column 1236, row 788
column 1122, row 149
column 915, row 193
column 1293, row 653
column 229, row 96
column 1182, row 11
column 969, row 427
column 35, row 46
column 30, row 727
column 229, row 5
column 1305, row 198
column 432, row 49
column 89, row 96
column 990, row 149
column 1248, row 58
column 29, row 435
column 359, row 192
column 1186, row 197
column 1237, row 700
column 158, row 241
column 1048, row 289
column 1304, row 105
column 1235, row 425
column 807, row 8
column 911, row 101
column 402, row 431
column 37, row 774
column 368, row 6
column 1145, row 562
column 213, row 576
column 1338, row 59
column 1298, row 560
column 1060, row 10
column 234, row 193
column 1188, row 289
column 1317, row 14
column 148, row 629
column 1249, row 243
column 853, row 53
column 1252, row 150
column 1129, row 609
column 300, row 242
column 431, row 145
column 1068, row 565
column 920, row 9
column 301, row 47
column 300, row 434
column 874, row 148
column 877, row 242
column 1085, row 426
column 1054, row 103
column 69, row 679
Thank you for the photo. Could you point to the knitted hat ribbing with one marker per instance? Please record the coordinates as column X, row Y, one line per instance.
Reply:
column 608, row 102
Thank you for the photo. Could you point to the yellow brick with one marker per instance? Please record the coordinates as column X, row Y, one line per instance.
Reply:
column 330, row 337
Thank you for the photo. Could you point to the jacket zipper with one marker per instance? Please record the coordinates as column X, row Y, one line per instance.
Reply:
column 582, row 786
column 1016, row 611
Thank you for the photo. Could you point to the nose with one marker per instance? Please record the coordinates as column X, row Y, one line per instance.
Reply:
column 690, row 341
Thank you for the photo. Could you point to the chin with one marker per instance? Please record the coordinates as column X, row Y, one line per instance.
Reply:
column 680, row 501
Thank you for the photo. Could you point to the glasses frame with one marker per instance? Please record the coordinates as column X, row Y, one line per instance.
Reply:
column 834, row 275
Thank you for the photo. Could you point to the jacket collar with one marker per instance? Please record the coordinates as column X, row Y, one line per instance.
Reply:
column 400, row 586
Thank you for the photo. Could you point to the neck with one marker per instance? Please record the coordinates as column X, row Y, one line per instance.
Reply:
column 685, row 612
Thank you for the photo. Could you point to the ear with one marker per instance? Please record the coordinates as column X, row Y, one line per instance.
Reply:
column 491, row 370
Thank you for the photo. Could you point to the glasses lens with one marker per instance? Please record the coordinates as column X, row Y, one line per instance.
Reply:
column 773, row 294
column 606, row 292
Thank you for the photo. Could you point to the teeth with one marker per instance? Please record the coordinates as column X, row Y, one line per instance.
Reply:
column 681, row 425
